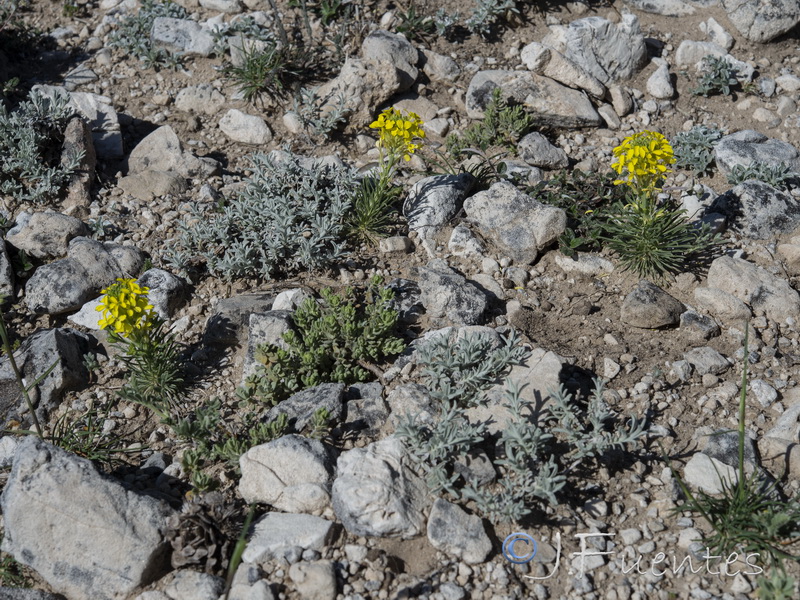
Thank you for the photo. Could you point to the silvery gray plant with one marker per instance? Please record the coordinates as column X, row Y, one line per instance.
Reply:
column 458, row 372
column 486, row 14
column 779, row 176
column 694, row 149
column 318, row 116
column 535, row 453
column 33, row 168
column 289, row 217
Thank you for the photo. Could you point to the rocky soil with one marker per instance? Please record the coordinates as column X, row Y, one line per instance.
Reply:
column 350, row 518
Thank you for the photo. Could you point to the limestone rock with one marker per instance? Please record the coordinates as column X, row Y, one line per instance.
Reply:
column 761, row 290
column 748, row 146
column 377, row 494
column 519, row 225
column 454, row 532
column 84, row 533
column 433, row 201
column 293, row 474
column 448, row 295
column 547, row 101
column 762, row 20
column 758, row 210
column 610, row 52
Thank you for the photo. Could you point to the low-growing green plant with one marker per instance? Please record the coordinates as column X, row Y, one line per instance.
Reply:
column 218, row 439
column 586, row 199
column 487, row 13
column 503, row 125
column 269, row 71
column 777, row 586
column 694, row 149
column 538, row 451
column 12, row 573
column 81, row 433
column 374, row 210
column 32, row 169
column 338, row 339
column 320, row 424
column 288, row 218
column 779, row 176
column 246, row 27
column 133, row 33
column 654, row 239
column 718, row 77
column 413, row 24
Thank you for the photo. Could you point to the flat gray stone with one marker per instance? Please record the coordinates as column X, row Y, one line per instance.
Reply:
column 200, row 99
column 182, row 35
column 748, row 146
column 244, row 128
column 365, row 84
column 721, row 304
column 764, row 292
column 275, row 534
column 433, row 201
column 150, row 184
column 45, row 235
column 708, row 474
column 166, row 291
column 163, row 151
column 293, row 474
column 65, row 348
column 544, row 60
column 707, row 360
column 536, row 150
column 192, row 585
column 300, row 407
column 314, row 580
column 650, row 307
column 447, row 295
column 758, row 210
column 393, row 49
column 229, row 322
column 454, row 532
column 608, row 51
column 84, row 533
column 547, row 101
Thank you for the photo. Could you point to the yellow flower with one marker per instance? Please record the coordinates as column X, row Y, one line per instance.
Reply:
column 125, row 308
column 396, row 132
column 642, row 158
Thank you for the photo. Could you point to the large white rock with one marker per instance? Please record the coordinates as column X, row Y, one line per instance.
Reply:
column 85, row 534
column 247, row 129
column 764, row 292
column 292, row 473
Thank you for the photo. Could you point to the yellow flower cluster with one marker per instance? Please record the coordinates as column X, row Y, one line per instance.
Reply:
column 398, row 132
column 125, row 308
column 642, row 158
